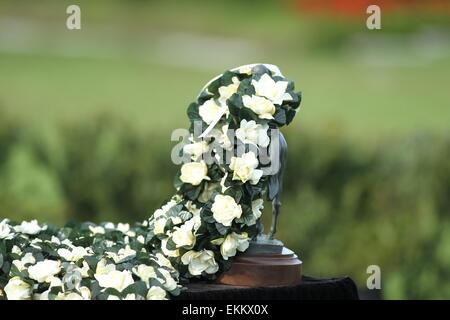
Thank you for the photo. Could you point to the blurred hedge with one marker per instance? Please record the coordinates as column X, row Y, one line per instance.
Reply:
column 346, row 206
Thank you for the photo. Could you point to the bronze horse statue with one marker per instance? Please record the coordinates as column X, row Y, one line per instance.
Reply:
column 276, row 184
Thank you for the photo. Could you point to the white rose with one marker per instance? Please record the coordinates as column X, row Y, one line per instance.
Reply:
column 259, row 105
column 16, row 289
column 118, row 280
column 122, row 255
column 252, row 133
column 177, row 220
column 221, row 137
column 35, row 243
column 205, row 196
column 196, row 150
column 109, row 243
column 169, row 283
column 85, row 293
column 169, row 205
column 159, row 226
column 67, row 242
column 43, row 271
column 103, row 267
column 163, row 261
column 227, row 91
column 19, row 265
column 75, row 254
column 15, row 249
column 195, row 222
column 275, row 91
column 157, row 213
column 28, row 258
column 31, row 227
column 41, row 296
column 183, row 236
column 144, row 272
column 257, row 206
column 54, row 282
column 5, row 230
column 84, row 270
column 167, row 252
column 109, row 225
column 164, row 208
column 123, row 227
column 97, row 229
column 140, row 239
column 245, row 168
column 194, row 173
column 68, row 296
column 232, row 243
column 225, row 209
column 246, row 70
column 156, row 293
column 55, row 240
column 191, row 207
column 210, row 111
column 200, row 261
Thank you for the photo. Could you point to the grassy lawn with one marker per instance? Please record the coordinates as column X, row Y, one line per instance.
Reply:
column 146, row 61
column 44, row 89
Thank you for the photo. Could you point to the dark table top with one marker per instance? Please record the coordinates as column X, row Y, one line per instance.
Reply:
column 309, row 288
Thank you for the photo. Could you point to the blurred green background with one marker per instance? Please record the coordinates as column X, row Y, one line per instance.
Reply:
column 86, row 117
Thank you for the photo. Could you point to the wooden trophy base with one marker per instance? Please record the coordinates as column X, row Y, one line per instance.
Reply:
column 263, row 270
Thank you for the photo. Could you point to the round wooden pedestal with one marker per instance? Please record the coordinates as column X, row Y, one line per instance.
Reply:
column 263, row 270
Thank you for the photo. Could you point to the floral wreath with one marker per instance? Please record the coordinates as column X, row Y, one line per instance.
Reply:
column 214, row 214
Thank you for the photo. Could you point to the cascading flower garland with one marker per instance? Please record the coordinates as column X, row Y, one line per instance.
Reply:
column 213, row 215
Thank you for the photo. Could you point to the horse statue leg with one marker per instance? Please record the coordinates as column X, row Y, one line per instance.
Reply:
column 277, row 185
column 276, row 204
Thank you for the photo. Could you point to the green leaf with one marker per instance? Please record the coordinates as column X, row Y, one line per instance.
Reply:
column 213, row 88
column 290, row 114
column 204, row 96
column 171, row 245
column 177, row 181
column 176, row 291
column 248, row 114
column 221, row 228
column 209, row 219
column 234, row 192
column 280, row 116
column 235, row 104
column 15, row 272
column 56, row 290
column 227, row 78
column 246, row 88
column 193, row 112
column 111, row 292
column 95, row 289
column 139, row 288
column 92, row 261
